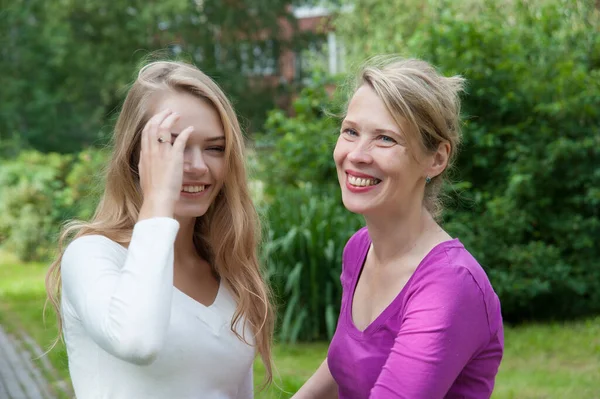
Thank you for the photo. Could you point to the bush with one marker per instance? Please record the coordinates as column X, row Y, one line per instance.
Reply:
column 296, row 150
column 84, row 184
column 38, row 192
column 307, row 230
column 532, row 149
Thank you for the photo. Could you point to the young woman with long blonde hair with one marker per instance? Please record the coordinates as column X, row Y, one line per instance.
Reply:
column 160, row 295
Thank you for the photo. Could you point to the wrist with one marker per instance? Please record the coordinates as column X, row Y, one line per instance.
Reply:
column 157, row 206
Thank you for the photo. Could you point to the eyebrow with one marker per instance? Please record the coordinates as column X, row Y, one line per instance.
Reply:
column 378, row 131
column 382, row 131
column 217, row 138
column 210, row 139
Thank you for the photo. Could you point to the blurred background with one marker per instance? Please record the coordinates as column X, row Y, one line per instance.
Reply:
column 525, row 197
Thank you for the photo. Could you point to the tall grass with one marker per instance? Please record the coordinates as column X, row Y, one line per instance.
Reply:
column 306, row 233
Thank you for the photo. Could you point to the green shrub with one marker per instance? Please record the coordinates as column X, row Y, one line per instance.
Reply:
column 307, row 230
column 293, row 151
column 84, row 183
column 38, row 192
column 30, row 202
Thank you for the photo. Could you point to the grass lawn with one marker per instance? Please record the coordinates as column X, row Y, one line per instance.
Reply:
column 540, row 361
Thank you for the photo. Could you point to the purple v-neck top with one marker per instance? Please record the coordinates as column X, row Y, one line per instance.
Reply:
column 441, row 337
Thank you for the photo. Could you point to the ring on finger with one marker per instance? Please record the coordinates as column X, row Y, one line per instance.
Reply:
column 161, row 139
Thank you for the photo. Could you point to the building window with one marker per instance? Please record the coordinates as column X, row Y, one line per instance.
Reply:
column 324, row 54
column 258, row 58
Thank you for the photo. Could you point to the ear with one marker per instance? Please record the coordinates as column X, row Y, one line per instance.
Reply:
column 439, row 160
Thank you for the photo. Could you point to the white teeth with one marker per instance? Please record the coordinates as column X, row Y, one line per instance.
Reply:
column 192, row 189
column 361, row 182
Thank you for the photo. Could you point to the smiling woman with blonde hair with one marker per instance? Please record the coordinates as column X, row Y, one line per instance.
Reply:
column 160, row 295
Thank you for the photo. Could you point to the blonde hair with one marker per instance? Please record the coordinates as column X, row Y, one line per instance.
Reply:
column 227, row 235
column 415, row 93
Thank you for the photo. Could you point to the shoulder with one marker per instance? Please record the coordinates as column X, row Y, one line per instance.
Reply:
column 85, row 261
column 461, row 264
column 452, row 276
column 89, row 247
column 354, row 252
column 461, row 258
column 357, row 242
column 450, row 264
column 92, row 242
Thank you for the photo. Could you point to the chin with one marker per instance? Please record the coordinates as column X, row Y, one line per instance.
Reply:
column 354, row 206
column 190, row 212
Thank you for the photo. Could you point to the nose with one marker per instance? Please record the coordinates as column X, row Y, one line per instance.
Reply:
column 193, row 162
column 360, row 153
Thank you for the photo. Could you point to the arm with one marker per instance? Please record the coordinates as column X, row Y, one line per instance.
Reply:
column 444, row 326
column 126, row 308
column 320, row 386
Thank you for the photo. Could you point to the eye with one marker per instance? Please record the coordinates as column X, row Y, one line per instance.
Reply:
column 350, row 132
column 387, row 139
column 216, row 148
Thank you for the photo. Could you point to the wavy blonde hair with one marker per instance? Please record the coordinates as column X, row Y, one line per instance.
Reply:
column 227, row 235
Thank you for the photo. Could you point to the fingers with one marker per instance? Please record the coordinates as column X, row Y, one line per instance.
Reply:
column 150, row 130
column 147, row 136
column 150, row 133
column 157, row 119
column 181, row 140
column 166, row 127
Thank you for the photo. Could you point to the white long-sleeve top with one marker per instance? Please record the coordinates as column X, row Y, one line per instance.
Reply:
column 131, row 334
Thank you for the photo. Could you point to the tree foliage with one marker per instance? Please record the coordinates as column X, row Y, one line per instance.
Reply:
column 297, row 150
column 66, row 64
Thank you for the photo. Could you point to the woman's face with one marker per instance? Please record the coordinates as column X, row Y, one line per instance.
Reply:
column 376, row 171
column 204, row 156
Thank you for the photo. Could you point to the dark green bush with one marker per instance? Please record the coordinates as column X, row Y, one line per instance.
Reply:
column 532, row 150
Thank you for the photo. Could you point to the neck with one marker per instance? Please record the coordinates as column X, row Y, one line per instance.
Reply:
column 394, row 237
column 184, row 242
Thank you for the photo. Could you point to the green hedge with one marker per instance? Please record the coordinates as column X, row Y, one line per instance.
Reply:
column 38, row 192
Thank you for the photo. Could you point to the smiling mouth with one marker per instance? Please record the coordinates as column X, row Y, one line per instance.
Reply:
column 362, row 182
column 194, row 189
